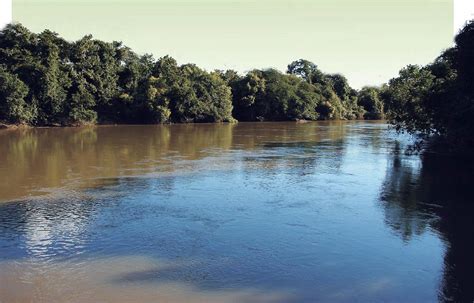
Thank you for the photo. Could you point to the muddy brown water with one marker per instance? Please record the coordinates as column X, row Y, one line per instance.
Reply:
column 252, row 212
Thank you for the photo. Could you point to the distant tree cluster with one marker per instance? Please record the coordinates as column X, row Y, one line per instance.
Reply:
column 304, row 93
column 46, row 80
column 437, row 99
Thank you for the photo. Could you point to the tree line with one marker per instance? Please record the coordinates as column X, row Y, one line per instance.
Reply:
column 437, row 100
column 46, row 80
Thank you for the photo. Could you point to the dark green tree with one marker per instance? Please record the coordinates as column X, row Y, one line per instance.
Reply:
column 89, row 81
column 13, row 107
column 369, row 98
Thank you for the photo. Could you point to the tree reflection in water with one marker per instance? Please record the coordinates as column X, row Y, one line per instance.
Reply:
column 435, row 194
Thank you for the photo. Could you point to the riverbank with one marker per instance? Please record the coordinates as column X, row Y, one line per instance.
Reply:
column 13, row 126
column 8, row 126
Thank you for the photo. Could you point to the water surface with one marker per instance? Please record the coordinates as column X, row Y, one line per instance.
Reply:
column 253, row 212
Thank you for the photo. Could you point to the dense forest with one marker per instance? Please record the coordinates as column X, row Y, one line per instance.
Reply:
column 46, row 80
column 437, row 100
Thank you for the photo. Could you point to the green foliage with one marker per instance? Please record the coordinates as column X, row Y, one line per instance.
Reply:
column 49, row 81
column 407, row 97
column 271, row 95
column 52, row 87
column 245, row 91
column 157, row 102
column 463, row 57
column 13, row 107
column 337, row 100
column 369, row 98
column 305, row 69
column 193, row 94
column 81, row 107
column 437, row 99
column 339, row 85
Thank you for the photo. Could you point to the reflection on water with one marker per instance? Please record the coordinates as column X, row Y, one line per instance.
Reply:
column 35, row 161
column 436, row 194
column 264, row 212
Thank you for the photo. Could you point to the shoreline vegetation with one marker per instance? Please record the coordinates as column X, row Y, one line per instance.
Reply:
column 8, row 126
column 48, row 81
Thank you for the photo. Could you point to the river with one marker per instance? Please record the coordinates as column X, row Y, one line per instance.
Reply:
column 248, row 212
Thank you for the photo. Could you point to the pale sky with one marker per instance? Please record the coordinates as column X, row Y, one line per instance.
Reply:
column 5, row 12
column 463, row 10
column 366, row 40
